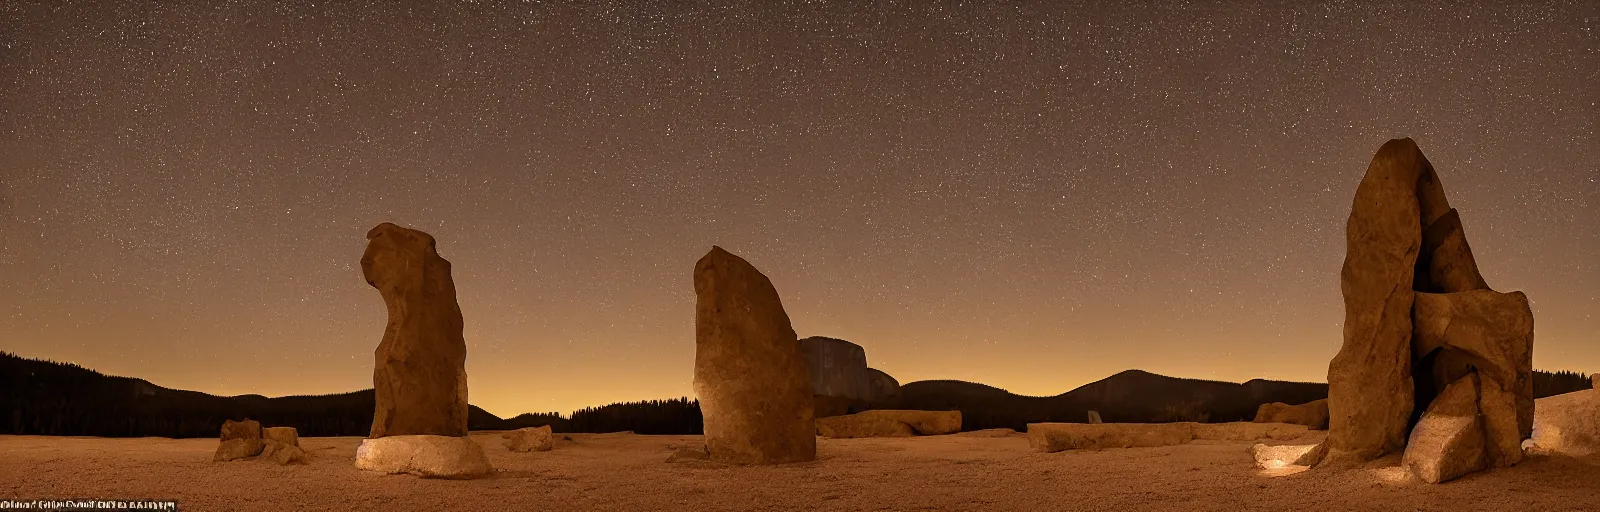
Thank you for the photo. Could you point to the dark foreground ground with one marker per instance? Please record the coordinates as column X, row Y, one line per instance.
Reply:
column 984, row 470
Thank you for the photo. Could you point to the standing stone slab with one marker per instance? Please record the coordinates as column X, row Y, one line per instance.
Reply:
column 1449, row 440
column 751, row 378
column 419, row 374
column 1369, row 381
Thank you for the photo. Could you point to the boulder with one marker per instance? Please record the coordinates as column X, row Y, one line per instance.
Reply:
column 239, row 440
column 881, row 387
column 283, row 453
column 1449, row 439
column 890, row 423
column 1594, row 381
column 531, row 439
column 238, row 448
column 1370, row 389
column 1312, row 414
column 428, row 456
column 419, row 372
column 285, row 435
column 1567, row 424
column 1094, row 418
column 1490, row 334
column 752, row 380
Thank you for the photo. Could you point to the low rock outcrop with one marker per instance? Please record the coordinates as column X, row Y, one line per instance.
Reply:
column 1054, row 437
column 1311, row 414
column 1567, row 424
column 890, row 423
column 531, row 439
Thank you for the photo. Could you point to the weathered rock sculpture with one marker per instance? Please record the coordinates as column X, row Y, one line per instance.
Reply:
column 751, row 378
column 882, row 388
column 419, row 372
column 1420, row 323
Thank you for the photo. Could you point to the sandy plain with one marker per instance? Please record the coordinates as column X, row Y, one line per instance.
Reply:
column 985, row 470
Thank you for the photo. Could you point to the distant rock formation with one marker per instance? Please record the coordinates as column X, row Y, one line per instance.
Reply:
column 1094, row 418
column 1312, row 414
column 890, row 423
column 751, row 377
column 838, row 367
column 1055, row 437
column 881, row 387
column 1418, row 318
column 420, row 374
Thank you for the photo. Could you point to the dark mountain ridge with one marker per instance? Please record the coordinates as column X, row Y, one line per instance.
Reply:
column 50, row 398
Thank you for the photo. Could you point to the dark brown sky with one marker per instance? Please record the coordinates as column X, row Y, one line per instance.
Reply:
column 1032, row 197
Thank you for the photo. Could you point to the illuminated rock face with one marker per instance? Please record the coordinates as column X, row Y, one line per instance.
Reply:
column 1419, row 318
column 749, row 373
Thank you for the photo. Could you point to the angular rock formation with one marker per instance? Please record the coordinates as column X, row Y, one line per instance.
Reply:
column 890, row 423
column 420, row 374
column 881, row 387
column 240, row 439
column 752, row 380
column 531, row 439
column 454, row 457
column 1419, row 318
column 1094, row 418
column 1312, row 414
column 838, row 367
column 1449, row 440
column 1490, row 335
column 1369, row 381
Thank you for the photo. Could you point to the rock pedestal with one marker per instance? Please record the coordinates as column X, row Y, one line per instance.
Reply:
column 419, row 370
column 751, row 378
column 449, row 457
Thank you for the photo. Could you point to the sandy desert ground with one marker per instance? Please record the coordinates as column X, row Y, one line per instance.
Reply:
column 986, row 470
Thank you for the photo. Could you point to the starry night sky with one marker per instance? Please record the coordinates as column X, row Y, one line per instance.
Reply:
column 1028, row 195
